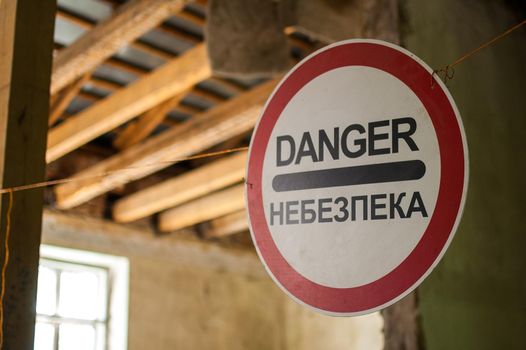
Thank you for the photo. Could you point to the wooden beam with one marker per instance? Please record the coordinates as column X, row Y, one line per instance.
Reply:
column 88, row 96
column 207, row 96
column 216, row 125
column 188, row 186
column 26, row 46
column 228, row 85
column 203, row 209
column 117, row 64
column 129, row 22
column 196, row 91
column 226, row 225
column 126, row 67
column 187, row 109
column 62, row 102
column 167, row 81
column 192, row 18
column 138, row 45
column 146, row 123
column 233, row 142
column 171, row 30
column 104, row 84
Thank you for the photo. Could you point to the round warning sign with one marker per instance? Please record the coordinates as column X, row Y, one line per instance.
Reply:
column 356, row 178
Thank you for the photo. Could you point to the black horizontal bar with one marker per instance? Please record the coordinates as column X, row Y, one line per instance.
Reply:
column 353, row 175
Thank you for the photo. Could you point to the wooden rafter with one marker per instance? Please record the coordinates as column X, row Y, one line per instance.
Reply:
column 128, row 23
column 124, row 66
column 104, row 84
column 207, row 96
column 146, row 123
column 226, row 225
column 88, row 96
column 138, row 45
column 216, row 125
column 188, row 186
column 179, row 35
column 59, row 104
column 125, row 104
column 196, row 91
column 192, row 18
column 202, row 209
column 187, row 109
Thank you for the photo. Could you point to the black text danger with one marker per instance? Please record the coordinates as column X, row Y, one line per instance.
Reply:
column 353, row 141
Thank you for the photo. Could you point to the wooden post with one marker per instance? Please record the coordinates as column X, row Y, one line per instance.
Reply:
column 26, row 42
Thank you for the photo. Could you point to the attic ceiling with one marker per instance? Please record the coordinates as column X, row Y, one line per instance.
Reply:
column 150, row 100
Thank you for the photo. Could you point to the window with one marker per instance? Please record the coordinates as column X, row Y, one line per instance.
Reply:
column 82, row 301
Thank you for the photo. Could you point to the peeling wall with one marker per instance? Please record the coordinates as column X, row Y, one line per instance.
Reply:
column 475, row 298
column 185, row 294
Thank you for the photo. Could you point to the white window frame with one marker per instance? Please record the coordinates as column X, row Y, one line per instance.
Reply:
column 118, row 268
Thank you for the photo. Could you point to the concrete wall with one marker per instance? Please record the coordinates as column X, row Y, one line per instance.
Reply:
column 185, row 294
column 475, row 299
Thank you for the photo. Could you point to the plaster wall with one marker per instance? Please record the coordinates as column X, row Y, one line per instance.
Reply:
column 475, row 298
column 185, row 294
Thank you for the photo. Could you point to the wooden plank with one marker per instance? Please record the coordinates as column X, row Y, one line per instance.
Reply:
column 125, row 104
column 104, row 84
column 233, row 142
column 196, row 91
column 26, row 44
column 188, row 186
column 228, row 85
column 203, row 209
column 170, row 30
column 296, row 42
column 121, row 65
column 130, row 21
column 226, row 225
column 187, row 109
column 207, row 96
column 80, row 22
column 62, row 102
column 85, row 24
column 192, row 18
column 216, row 125
column 146, row 123
column 88, row 96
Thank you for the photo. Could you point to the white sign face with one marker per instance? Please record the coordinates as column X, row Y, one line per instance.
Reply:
column 352, row 200
column 339, row 249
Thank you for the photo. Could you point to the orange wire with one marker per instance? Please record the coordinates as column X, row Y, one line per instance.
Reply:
column 4, row 266
column 449, row 70
column 81, row 178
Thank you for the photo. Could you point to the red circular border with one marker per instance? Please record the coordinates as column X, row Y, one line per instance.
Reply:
column 449, row 135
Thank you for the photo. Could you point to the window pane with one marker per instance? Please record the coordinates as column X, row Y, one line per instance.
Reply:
column 46, row 291
column 101, row 336
column 80, row 295
column 76, row 337
column 44, row 336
